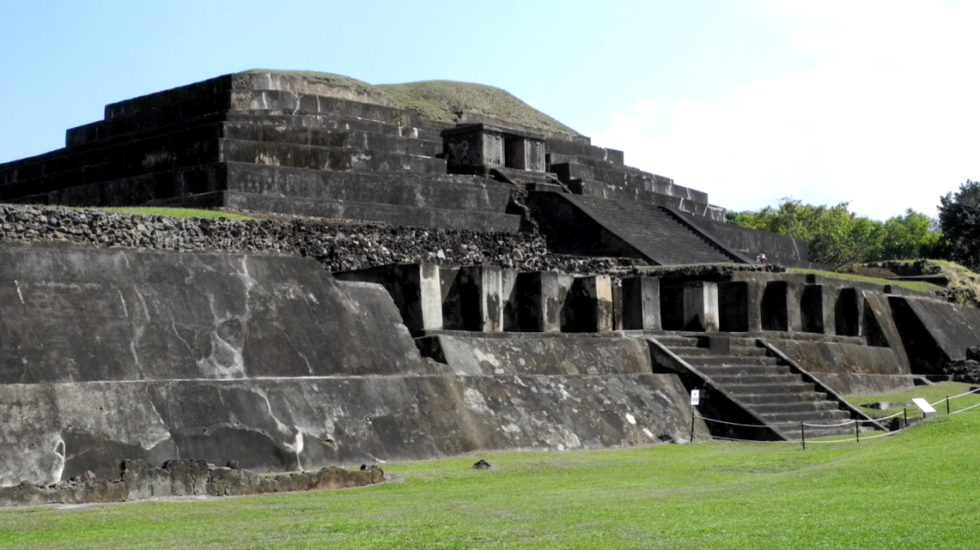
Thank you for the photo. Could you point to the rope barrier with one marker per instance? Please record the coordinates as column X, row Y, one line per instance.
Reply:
column 847, row 423
column 803, row 425
column 731, row 423
column 966, row 408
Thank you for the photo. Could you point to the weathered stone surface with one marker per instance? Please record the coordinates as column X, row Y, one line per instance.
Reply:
column 271, row 362
column 520, row 354
column 826, row 357
column 139, row 481
column 934, row 333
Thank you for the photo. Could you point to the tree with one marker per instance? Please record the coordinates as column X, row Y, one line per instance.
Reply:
column 959, row 218
column 838, row 237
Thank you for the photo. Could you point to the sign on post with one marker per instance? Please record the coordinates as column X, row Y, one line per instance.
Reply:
column 695, row 397
column 923, row 405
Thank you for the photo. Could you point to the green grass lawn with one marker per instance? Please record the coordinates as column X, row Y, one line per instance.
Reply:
column 170, row 212
column 914, row 490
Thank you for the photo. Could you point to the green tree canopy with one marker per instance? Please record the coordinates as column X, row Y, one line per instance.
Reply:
column 959, row 218
column 838, row 237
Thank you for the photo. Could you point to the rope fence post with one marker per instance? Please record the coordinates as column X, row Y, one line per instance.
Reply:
column 947, row 405
column 692, row 427
column 803, row 435
column 905, row 412
column 857, row 431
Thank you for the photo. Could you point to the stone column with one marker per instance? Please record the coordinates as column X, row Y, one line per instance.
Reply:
column 415, row 289
column 739, row 306
column 589, row 308
column 817, row 309
column 540, row 296
column 701, row 306
column 641, row 303
column 481, row 302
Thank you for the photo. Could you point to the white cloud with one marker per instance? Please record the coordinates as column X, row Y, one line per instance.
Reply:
column 890, row 122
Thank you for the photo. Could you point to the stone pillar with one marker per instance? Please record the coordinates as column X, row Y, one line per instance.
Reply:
column 508, row 292
column 541, row 296
column 415, row 289
column 739, row 306
column 641, row 303
column 589, row 306
column 780, row 307
column 817, row 309
column 452, row 317
column 701, row 306
column 481, row 301
column 849, row 312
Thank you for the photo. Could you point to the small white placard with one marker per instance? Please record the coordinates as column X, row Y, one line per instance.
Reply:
column 923, row 405
column 695, row 397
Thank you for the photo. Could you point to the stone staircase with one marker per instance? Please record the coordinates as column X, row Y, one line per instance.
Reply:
column 654, row 232
column 760, row 383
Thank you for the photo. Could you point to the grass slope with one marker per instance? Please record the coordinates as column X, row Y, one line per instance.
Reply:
column 914, row 490
column 444, row 99
column 441, row 100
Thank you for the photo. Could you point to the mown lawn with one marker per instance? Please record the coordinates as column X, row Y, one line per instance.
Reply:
column 918, row 489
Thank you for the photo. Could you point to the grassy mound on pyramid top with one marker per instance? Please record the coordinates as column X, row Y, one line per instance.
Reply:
column 442, row 100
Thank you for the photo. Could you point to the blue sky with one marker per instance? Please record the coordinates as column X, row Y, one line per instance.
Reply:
column 871, row 101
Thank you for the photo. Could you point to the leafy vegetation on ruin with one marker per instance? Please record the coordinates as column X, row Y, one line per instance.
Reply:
column 913, row 490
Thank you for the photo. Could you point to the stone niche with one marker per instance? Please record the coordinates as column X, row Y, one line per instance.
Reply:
column 472, row 147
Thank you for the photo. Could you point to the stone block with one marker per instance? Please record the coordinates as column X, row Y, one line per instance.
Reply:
column 541, row 295
column 849, row 312
column 701, row 306
column 817, row 308
column 415, row 289
column 481, row 298
column 740, row 306
column 780, row 307
column 589, row 306
column 641, row 303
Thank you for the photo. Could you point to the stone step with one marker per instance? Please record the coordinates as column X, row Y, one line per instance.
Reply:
column 584, row 151
column 753, row 399
column 729, row 381
column 732, row 360
column 159, row 154
column 464, row 194
column 456, row 192
column 722, row 370
column 671, row 341
column 792, row 431
column 399, row 215
column 794, row 406
column 770, row 389
column 340, row 159
column 635, row 178
column 831, row 416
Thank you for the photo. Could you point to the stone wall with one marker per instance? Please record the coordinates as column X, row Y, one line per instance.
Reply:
column 338, row 246
column 179, row 478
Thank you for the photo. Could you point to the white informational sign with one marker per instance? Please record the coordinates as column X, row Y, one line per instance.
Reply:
column 695, row 397
column 923, row 405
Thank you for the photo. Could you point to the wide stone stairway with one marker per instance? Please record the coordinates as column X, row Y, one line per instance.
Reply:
column 654, row 232
column 758, row 382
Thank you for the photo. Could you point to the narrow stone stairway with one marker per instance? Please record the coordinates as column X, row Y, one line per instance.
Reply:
column 759, row 382
column 654, row 232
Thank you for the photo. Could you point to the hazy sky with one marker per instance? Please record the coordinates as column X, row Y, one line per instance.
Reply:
column 868, row 101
